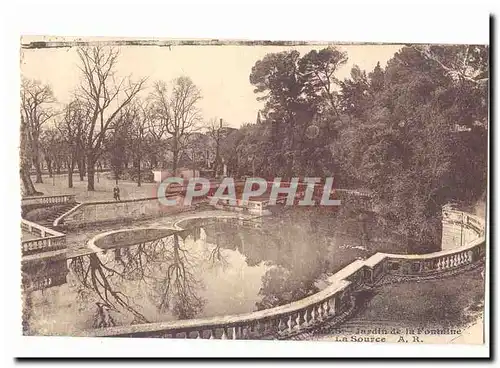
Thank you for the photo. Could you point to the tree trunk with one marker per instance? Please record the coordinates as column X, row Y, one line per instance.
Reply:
column 81, row 167
column 154, row 162
column 71, row 166
column 217, row 158
column 36, row 163
column 194, row 164
column 175, row 152
column 138, row 172
column 49, row 166
column 28, row 187
column 90, row 172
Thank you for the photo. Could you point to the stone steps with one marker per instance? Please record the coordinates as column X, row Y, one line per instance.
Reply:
column 49, row 221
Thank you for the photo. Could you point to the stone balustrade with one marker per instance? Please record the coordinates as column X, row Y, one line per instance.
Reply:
column 48, row 200
column 48, row 239
column 330, row 303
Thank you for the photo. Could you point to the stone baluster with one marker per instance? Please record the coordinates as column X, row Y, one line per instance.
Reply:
column 267, row 326
column 281, row 325
column 313, row 315
column 257, row 328
column 234, row 333
column 224, row 334
column 319, row 309
column 298, row 321
column 432, row 264
column 211, row 335
column 306, row 317
column 468, row 256
column 290, row 323
column 333, row 305
column 326, row 308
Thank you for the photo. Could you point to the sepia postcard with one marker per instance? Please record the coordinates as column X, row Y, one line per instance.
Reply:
column 254, row 190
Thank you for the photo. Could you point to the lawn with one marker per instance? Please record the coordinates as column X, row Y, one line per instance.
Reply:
column 103, row 188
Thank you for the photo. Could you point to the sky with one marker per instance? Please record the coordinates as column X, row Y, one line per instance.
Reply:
column 220, row 72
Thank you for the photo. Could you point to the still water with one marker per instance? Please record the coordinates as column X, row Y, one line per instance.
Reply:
column 214, row 267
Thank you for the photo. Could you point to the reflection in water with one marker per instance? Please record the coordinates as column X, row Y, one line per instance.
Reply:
column 215, row 267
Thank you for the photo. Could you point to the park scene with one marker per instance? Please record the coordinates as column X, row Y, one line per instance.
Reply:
column 395, row 135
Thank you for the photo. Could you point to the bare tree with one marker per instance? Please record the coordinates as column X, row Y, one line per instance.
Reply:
column 28, row 188
column 177, row 112
column 36, row 110
column 139, row 132
column 105, row 96
column 216, row 131
column 72, row 129
column 54, row 149
column 196, row 149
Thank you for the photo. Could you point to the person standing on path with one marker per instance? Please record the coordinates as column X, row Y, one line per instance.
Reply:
column 116, row 193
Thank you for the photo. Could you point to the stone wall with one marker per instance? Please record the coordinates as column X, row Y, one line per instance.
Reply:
column 91, row 213
column 456, row 229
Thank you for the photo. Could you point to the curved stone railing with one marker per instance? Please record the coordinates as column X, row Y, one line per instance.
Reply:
column 326, row 305
column 47, row 239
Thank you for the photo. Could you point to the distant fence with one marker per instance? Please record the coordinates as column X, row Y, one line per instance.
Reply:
column 335, row 301
column 47, row 239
